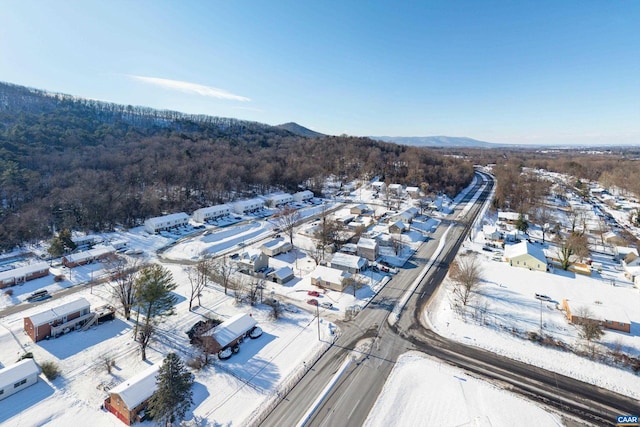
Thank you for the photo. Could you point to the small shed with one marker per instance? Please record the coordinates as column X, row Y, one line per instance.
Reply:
column 281, row 275
column 18, row 377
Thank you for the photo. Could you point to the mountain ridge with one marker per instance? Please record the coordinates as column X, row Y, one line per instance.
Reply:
column 437, row 141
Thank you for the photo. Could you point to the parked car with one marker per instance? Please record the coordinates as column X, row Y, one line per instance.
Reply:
column 255, row 332
column 326, row 305
column 543, row 297
column 312, row 301
column 313, row 293
column 291, row 308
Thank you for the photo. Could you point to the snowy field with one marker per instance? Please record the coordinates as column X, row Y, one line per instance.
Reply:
column 505, row 310
column 423, row 392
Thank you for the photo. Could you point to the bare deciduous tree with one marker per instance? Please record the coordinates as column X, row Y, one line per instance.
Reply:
column 198, row 276
column 575, row 244
column 466, row 274
column 286, row 219
column 122, row 271
column 221, row 270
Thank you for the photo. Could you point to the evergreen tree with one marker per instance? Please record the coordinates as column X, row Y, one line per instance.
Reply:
column 173, row 396
column 154, row 301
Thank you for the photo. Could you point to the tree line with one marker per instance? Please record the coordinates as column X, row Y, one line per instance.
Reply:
column 68, row 163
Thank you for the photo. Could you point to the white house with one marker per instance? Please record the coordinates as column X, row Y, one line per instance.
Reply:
column 395, row 189
column 349, row 263
column 526, row 255
column 211, row 213
column 367, row 248
column 276, row 247
column 378, row 185
column 303, row 196
column 159, row 223
column 248, row 206
column 277, row 200
column 330, row 278
column 18, row 377
column 413, row 192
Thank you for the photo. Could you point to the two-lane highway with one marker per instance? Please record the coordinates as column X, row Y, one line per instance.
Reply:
column 352, row 397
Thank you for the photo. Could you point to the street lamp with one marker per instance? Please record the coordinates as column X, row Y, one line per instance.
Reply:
column 318, row 316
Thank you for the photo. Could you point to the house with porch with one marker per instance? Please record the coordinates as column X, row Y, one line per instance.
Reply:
column 57, row 320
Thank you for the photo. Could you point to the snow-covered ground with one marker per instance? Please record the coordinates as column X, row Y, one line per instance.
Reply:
column 227, row 392
column 423, row 392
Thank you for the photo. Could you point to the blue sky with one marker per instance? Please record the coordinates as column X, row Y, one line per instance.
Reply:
column 539, row 72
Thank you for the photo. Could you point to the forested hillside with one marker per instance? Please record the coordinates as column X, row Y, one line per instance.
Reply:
column 89, row 165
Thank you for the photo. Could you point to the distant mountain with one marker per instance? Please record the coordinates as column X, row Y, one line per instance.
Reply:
column 436, row 141
column 296, row 129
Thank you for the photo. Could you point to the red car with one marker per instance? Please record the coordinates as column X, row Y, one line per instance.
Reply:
column 313, row 293
column 312, row 301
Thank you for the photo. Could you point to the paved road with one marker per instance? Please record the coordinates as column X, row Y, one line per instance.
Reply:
column 352, row 397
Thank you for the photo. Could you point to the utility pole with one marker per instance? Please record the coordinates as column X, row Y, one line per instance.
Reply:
column 318, row 316
column 541, row 319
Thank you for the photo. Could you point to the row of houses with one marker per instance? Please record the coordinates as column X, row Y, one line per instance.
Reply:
column 396, row 189
column 212, row 213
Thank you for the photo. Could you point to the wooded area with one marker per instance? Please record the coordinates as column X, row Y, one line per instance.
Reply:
column 88, row 165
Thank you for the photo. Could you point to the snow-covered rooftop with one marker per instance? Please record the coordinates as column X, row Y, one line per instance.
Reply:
column 23, row 271
column 158, row 220
column 91, row 253
column 139, row 388
column 367, row 243
column 347, row 260
column 233, row 327
column 18, row 371
column 522, row 248
column 60, row 311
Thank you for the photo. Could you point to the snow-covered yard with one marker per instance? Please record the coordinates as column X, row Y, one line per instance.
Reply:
column 423, row 392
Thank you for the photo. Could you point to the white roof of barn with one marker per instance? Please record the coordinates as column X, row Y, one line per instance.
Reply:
column 60, row 311
column 18, row 371
column 522, row 248
column 24, row 270
column 232, row 328
column 347, row 260
column 138, row 388
column 159, row 220
column 367, row 243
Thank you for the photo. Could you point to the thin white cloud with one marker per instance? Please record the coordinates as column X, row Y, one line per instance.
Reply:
column 188, row 87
